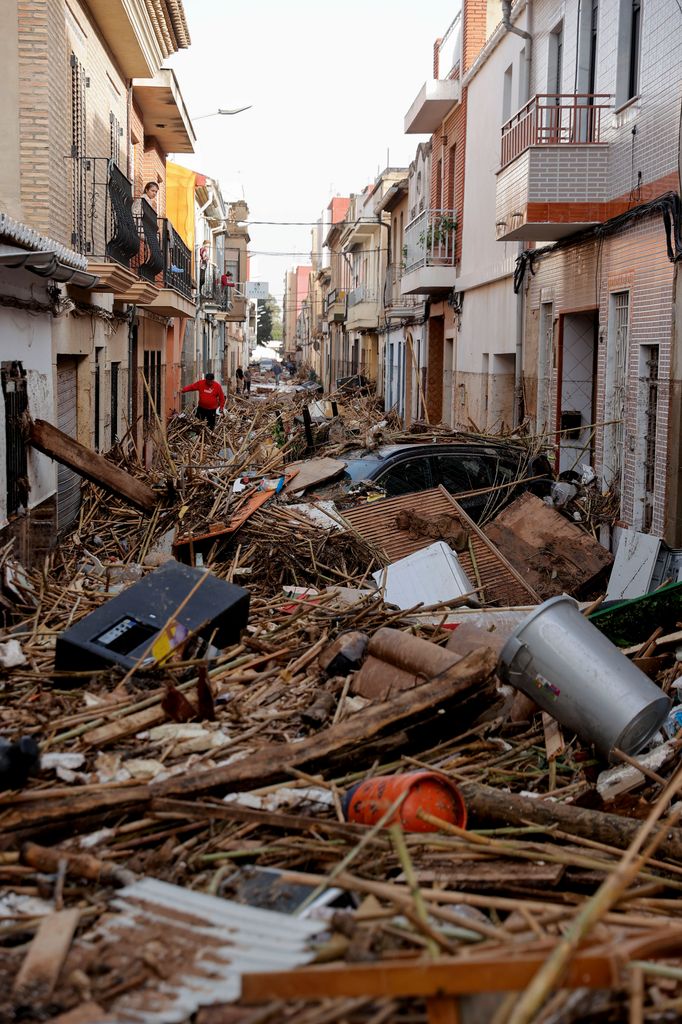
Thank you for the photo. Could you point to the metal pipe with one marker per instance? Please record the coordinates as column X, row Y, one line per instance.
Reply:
column 520, row 298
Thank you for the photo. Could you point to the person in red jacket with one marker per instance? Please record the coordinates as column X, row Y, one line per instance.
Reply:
column 211, row 398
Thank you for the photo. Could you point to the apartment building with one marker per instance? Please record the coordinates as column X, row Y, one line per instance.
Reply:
column 94, row 280
column 294, row 302
column 433, row 238
column 404, row 315
column 335, row 362
column 589, row 161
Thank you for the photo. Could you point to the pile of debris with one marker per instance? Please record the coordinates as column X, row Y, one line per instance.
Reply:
column 266, row 759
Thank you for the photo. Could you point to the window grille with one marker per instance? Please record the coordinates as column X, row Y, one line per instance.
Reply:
column 651, row 424
column 79, row 84
column 115, row 134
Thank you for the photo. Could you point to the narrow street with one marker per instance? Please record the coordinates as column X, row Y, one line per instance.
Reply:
column 340, row 624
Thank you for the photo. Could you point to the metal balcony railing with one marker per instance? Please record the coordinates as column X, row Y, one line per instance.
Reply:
column 211, row 290
column 103, row 221
column 392, row 292
column 334, row 296
column 363, row 293
column 430, row 240
column 554, row 119
column 177, row 260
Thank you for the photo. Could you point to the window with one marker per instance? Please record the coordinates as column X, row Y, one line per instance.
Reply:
column 507, row 94
column 408, row 476
column 629, row 48
column 451, row 177
column 439, row 184
column 555, row 59
column 452, row 472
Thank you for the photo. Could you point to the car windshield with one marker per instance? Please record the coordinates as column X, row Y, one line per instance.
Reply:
column 360, row 469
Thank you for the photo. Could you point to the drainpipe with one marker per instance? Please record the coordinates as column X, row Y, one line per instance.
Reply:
column 132, row 369
column 520, row 298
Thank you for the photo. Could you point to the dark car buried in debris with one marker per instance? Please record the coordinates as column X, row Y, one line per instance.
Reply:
column 458, row 466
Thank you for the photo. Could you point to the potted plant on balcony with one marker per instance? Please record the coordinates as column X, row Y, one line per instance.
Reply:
column 437, row 232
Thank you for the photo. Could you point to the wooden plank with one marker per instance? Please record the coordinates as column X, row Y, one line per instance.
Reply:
column 47, row 439
column 445, row 976
column 442, row 1010
column 315, row 471
column 40, row 969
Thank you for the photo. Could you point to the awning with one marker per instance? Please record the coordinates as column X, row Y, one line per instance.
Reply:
column 44, row 264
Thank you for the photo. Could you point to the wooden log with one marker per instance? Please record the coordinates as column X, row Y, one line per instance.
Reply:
column 489, row 804
column 40, row 969
column 59, row 446
column 80, row 865
column 353, row 739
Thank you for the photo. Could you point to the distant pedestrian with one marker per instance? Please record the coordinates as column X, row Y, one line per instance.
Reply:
column 277, row 370
column 240, row 379
column 247, row 381
column 211, row 398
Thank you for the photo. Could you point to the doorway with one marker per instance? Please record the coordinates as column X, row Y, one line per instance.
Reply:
column 576, row 387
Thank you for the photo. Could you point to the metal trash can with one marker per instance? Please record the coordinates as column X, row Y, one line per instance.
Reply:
column 562, row 662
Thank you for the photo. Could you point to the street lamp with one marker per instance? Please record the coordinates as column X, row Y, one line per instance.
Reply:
column 223, row 113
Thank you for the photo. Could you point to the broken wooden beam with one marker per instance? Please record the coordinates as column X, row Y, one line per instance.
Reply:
column 51, row 441
column 488, row 804
column 45, row 958
column 471, row 680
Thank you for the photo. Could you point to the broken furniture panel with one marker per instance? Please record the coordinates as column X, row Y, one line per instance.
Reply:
column 553, row 555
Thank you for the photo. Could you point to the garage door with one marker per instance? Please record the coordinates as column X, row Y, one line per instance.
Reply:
column 68, row 482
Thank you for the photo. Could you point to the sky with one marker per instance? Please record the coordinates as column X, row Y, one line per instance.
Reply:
column 329, row 86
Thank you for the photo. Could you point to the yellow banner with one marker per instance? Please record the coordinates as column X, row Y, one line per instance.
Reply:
column 180, row 201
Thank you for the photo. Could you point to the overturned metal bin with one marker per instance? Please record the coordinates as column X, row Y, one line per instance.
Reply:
column 559, row 659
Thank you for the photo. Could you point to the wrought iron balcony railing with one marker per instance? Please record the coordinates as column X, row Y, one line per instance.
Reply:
column 103, row 221
column 554, row 119
column 177, row 260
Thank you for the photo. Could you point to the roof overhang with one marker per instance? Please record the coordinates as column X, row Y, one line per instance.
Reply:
column 392, row 197
column 128, row 32
column 44, row 264
column 163, row 110
column 434, row 102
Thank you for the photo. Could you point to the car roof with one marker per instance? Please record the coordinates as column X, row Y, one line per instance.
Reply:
column 388, row 451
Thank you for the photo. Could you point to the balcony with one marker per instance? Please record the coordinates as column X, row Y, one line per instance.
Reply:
column 553, row 177
column 107, row 231
column 335, row 305
column 437, row 97
column 363, row 308
column 163, row 110
column 396, row 305
column 429, row 253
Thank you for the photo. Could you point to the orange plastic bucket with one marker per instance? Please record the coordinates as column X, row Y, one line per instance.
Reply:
column 368, row 801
